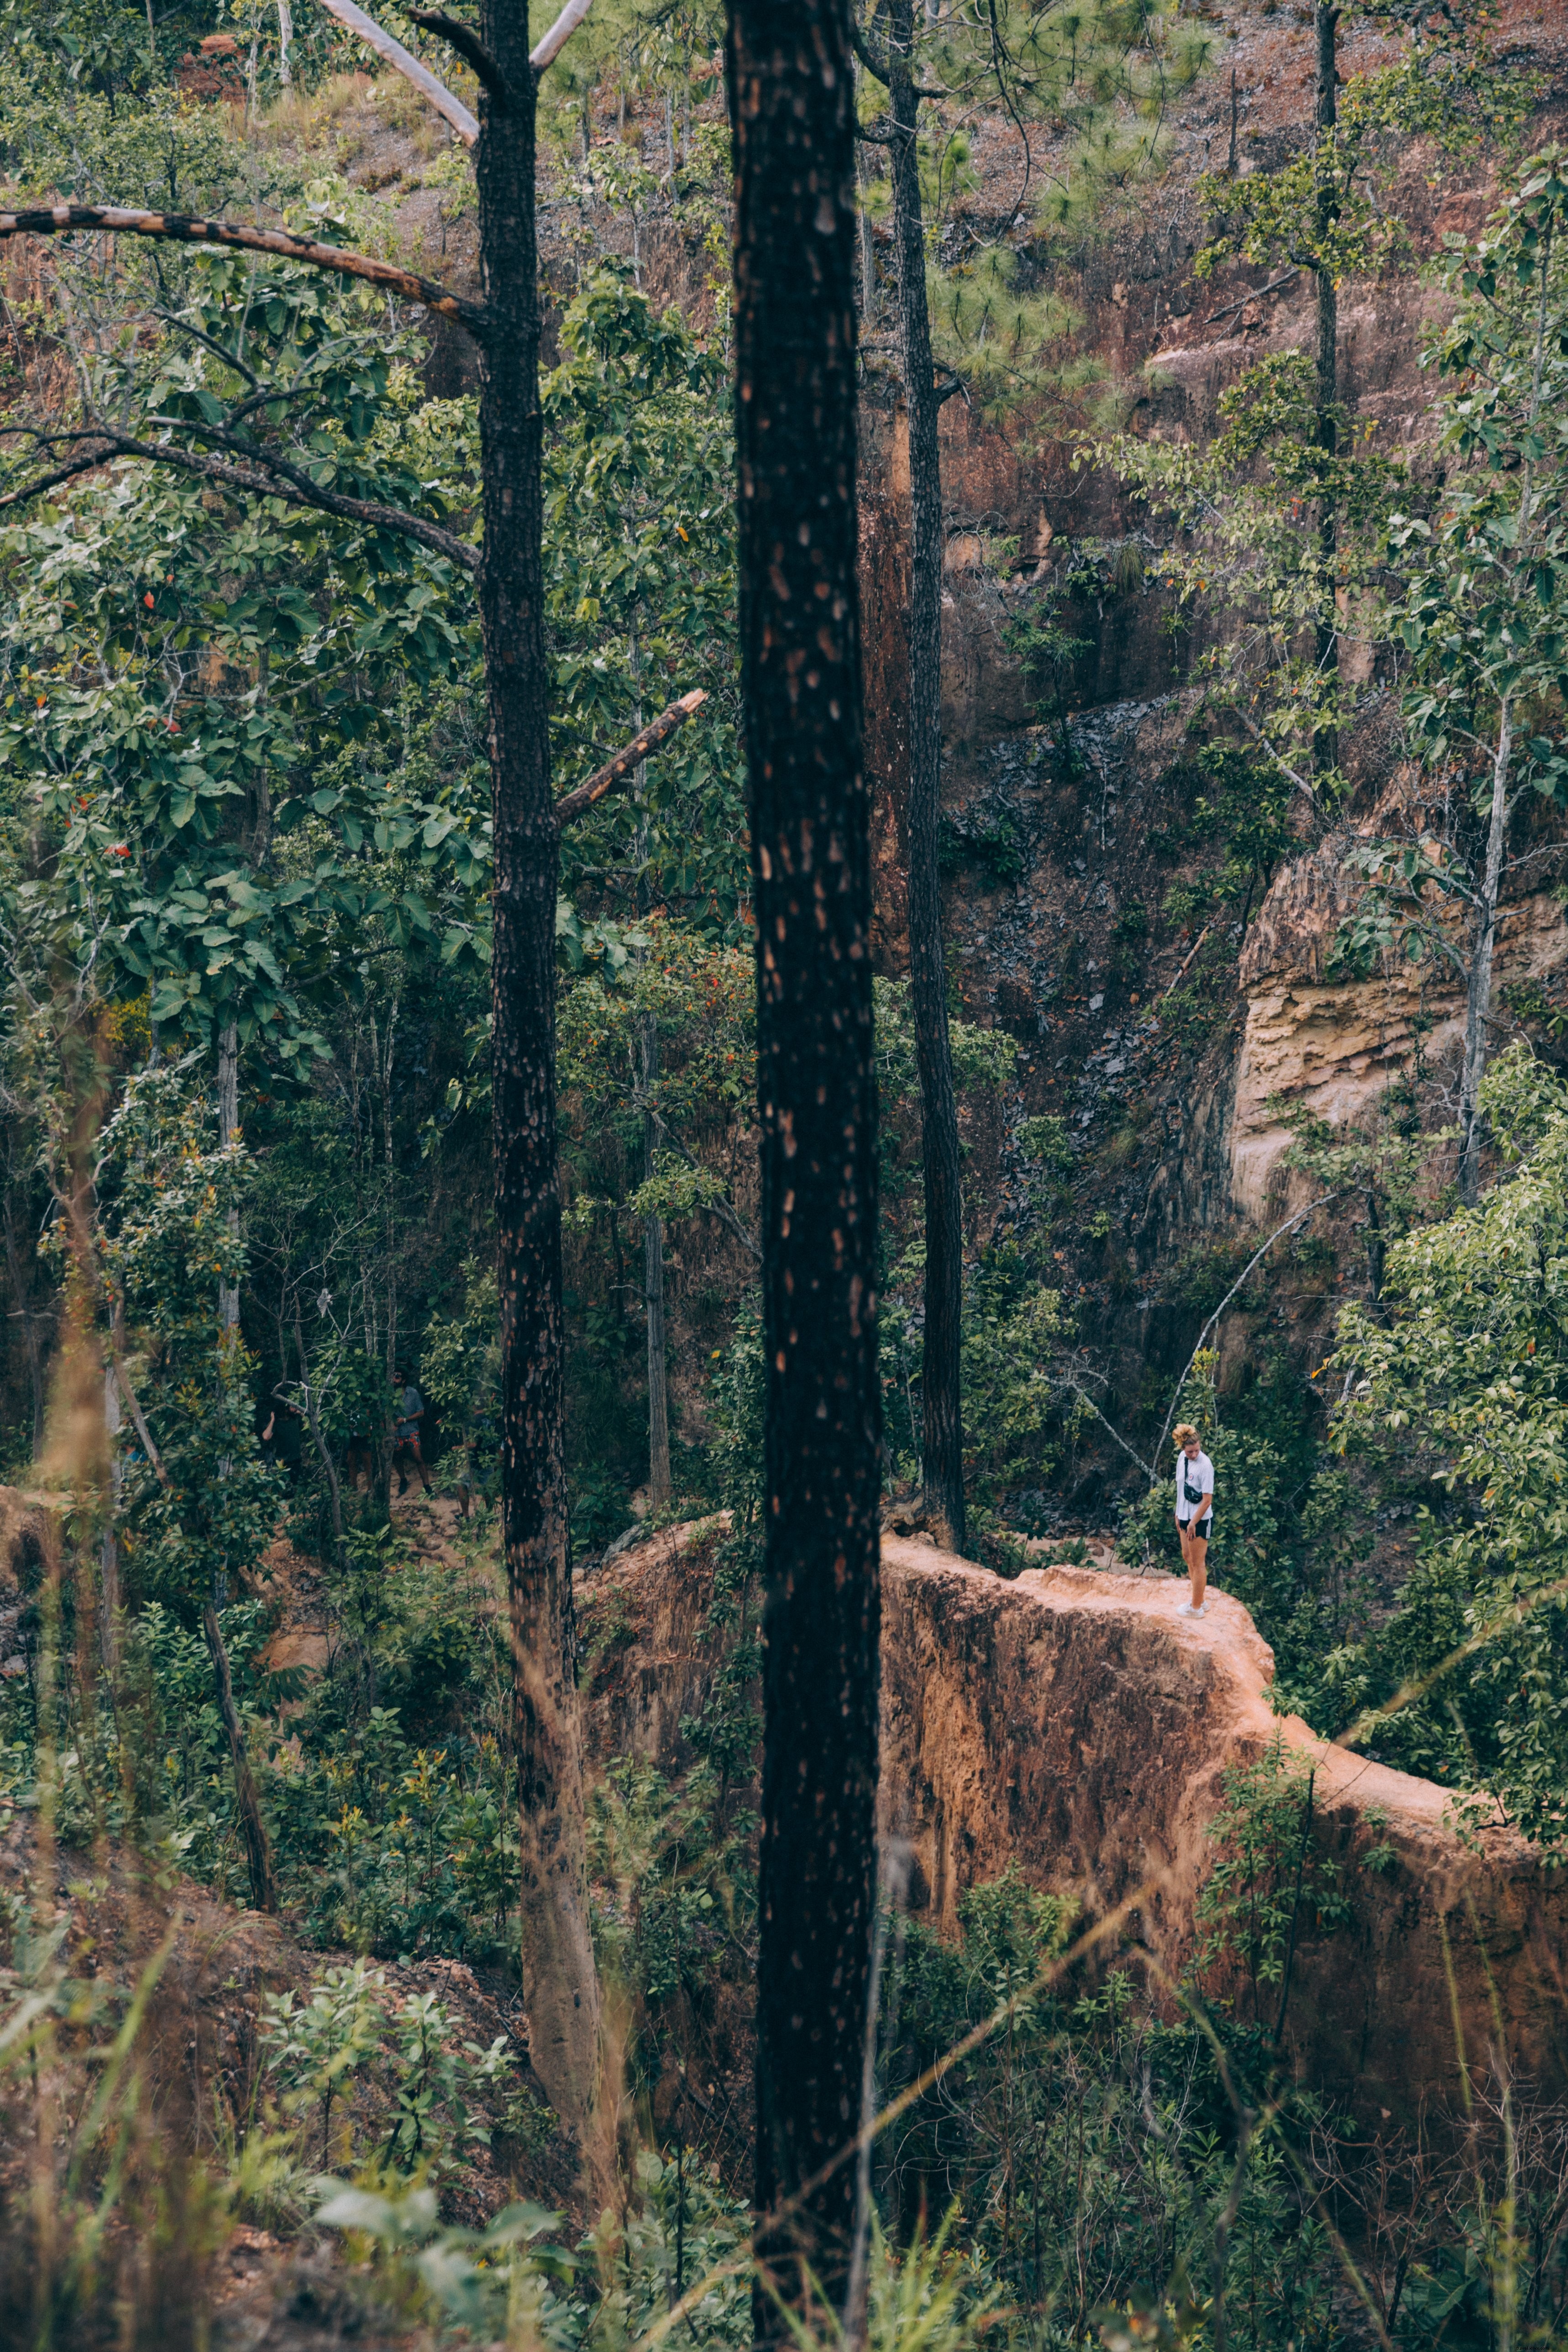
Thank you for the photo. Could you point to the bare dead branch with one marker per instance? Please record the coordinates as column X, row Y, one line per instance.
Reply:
column 408, row 65
column 186, row 229
column 560, row 32
column 265, row 476
column 617, row 771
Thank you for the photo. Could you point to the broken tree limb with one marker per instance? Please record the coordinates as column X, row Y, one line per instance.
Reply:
column 354, row 20
column 1186, row 961
column 615, row 772
column 560, row 32
column 187, row 228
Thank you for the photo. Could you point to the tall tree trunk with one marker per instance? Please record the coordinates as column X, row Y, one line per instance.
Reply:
column 252, row 1827
column 1483, row 948
column 16, row 1268
column 560, row 1987
column 943, row 1435
column 108, row 1550
column 659, row 1484
column 227, row 1128
column 1479, row 995
column 792, row 101
column 658, row 1477
column 1325, row 741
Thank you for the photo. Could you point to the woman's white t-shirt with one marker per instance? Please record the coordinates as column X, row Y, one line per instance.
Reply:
column 1194, row 1481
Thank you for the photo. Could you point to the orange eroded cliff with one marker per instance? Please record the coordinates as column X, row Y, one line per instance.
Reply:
column 1072, row 1723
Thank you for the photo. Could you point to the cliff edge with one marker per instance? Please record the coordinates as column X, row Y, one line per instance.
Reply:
column 1071, row 1723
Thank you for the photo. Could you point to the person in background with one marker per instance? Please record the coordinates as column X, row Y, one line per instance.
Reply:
column 408, row 1412
column 1194, row 1513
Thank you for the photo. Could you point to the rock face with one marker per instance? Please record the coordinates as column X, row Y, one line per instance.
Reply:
column 1335, row 1048
column 1071, row 1723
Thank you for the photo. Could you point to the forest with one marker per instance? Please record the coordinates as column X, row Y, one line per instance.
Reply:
column 784, row 811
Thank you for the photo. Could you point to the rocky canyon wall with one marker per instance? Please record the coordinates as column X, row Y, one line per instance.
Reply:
column 1058, row 869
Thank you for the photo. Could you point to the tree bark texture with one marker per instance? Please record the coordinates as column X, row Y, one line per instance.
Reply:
column 791, row 92
column 1326, row 750
column 941, row 1399
column 559, row 1987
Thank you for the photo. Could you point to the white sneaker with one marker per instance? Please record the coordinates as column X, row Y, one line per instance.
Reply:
column 1186, row 1609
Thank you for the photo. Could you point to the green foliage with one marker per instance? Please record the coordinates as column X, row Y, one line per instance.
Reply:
column 1480, row 608
column 1459, row 1388
column 1270, row 1883
column 459, row 1367
column 168, row 1237
column 640, row 597
column 1087, row 2145
column 1326, row 208
column 315, row 2047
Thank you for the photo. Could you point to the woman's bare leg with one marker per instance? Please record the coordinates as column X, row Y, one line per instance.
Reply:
column 1197, row 1551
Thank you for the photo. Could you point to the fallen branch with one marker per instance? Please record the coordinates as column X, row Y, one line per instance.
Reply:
column 187, row 229
column 560, row 32
column 354, row 20
column 1187, row 962
column 615, row 772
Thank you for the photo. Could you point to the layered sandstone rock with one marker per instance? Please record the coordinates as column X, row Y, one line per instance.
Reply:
column 1073, row 1724
column 1332, row 1047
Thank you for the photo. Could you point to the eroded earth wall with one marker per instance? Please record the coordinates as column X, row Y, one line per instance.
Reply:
column 1072, row 1723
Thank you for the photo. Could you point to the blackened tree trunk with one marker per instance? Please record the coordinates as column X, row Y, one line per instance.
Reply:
column 1325, row 748
column 559, row 1987
column 791, row 88
column 942, row 1434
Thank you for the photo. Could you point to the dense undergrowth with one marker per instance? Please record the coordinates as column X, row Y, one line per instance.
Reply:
column 244, row 860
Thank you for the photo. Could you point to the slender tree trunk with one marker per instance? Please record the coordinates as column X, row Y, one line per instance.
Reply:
column 24, row 1316
column 942, row 1437
column 319, row 1437
column 108, row 1552
column 259, row 1854
column 560, row 1987
column 227, row 1128
column 252, row 1827
column 1325, row 741
column 1479, row 995
column 285, row 43
column 1483, row 945
column 659, row 1478
column 792, row 99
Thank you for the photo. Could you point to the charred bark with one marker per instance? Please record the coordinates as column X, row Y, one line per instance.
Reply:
column 1325, row 743
column 559, row 1987
column 792, row 98
column 941, row 1448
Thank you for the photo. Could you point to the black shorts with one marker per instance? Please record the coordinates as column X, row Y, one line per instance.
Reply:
column 1203, row 1531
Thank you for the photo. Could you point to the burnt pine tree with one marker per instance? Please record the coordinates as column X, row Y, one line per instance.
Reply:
column 560, row 1984
column 942, row 1402
column 792, row 98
